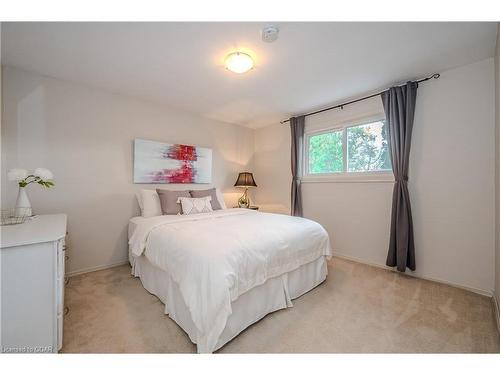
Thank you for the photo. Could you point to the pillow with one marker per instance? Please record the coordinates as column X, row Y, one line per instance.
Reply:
column 168, row 200
column 139, row 200
column 195, row 205
column 216, row 202
column 149, row 202
column 220, row 198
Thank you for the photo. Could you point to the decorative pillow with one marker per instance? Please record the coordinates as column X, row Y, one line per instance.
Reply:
column 195, row 205
column 149, row 202
column 169, row 200
column 208, row 193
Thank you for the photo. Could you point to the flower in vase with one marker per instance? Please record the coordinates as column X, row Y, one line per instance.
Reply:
column 17, row 174
column 41, row 176
column 44, row 174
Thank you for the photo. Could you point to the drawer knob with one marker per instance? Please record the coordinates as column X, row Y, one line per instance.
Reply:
column 66, row 310
column 66, row 257
column 66, row 280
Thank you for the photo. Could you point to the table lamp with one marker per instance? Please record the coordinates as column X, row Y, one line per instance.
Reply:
column 245, row 180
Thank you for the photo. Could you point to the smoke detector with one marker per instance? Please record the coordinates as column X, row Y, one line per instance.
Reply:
column 270, row 34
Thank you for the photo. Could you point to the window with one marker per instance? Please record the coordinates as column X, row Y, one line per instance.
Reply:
column 367, row 148
column 325, row 153
column 349, row 149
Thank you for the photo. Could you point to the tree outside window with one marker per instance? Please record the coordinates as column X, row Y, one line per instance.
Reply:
column 366, row 149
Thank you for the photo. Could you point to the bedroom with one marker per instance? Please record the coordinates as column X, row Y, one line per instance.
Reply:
column 248, row 187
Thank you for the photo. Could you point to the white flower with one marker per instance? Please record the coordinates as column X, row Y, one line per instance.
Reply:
column 44, row 174
column 17, row 174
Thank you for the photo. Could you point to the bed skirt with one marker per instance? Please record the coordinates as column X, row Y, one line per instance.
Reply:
column 275, row 294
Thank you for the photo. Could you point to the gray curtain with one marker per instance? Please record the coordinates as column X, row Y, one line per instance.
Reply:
column 297, row 133
column 399, row 107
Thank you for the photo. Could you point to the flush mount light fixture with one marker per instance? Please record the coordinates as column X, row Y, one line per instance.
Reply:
column 239, row 62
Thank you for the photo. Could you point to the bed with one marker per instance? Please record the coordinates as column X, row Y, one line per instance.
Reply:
column 217, row 273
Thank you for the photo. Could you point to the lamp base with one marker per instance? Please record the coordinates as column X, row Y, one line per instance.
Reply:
column 244, row 201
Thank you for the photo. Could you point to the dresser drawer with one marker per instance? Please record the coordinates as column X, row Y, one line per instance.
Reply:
column 60, row 295
column 60, row 283
column 60, row 320
column 60, row 259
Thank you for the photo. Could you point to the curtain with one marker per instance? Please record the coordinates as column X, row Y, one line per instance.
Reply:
column 399, row 107
column 297, row 134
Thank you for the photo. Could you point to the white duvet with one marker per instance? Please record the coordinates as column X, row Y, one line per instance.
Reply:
column 216, row 257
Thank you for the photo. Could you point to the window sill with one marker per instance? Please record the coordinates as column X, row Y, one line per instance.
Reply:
column 380, row 177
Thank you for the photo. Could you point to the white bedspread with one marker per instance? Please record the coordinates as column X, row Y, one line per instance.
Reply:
column 216, row 257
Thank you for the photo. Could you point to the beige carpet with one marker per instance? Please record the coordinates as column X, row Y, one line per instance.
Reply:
column 358, row 309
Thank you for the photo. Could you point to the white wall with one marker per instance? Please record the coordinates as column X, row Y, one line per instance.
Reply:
column 272, row 167
column 451, row 182
column 85, row 136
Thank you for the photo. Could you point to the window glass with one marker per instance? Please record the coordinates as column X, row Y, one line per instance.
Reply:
column 367, row 148
column 325, row 153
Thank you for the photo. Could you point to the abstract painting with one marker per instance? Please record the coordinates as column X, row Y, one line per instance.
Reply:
column 165, row 163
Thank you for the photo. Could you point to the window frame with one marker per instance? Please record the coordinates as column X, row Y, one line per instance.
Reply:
column 345, row 175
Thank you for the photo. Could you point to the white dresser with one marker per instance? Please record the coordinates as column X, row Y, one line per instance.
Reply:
column 32, row 260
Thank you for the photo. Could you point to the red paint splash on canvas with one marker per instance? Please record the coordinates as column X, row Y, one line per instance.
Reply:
column 186, row 172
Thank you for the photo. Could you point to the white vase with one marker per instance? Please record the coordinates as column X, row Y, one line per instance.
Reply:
column 23, row 204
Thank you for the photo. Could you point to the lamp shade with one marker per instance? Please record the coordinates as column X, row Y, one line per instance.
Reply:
column 245, row 179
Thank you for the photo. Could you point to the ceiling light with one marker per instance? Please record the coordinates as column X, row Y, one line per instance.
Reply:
column 239, row 62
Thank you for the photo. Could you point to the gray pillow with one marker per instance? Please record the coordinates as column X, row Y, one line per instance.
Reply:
column 168, row 200
column 207, row 193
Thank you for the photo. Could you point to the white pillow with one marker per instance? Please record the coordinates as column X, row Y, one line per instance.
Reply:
column 149, row 202
column 195, row 205
column 138, row 195
column 220, row 198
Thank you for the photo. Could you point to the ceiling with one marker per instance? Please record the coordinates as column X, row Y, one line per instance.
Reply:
column 311, row 65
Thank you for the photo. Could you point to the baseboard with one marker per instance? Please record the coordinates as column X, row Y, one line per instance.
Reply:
column 97, row 268
column 496, row 310
column 339, row 255
column 486, row 293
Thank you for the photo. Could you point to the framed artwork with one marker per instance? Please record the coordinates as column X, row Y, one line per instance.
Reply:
column 166, row 163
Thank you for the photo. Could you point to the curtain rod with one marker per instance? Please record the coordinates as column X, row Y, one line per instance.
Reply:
column 434, row 76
